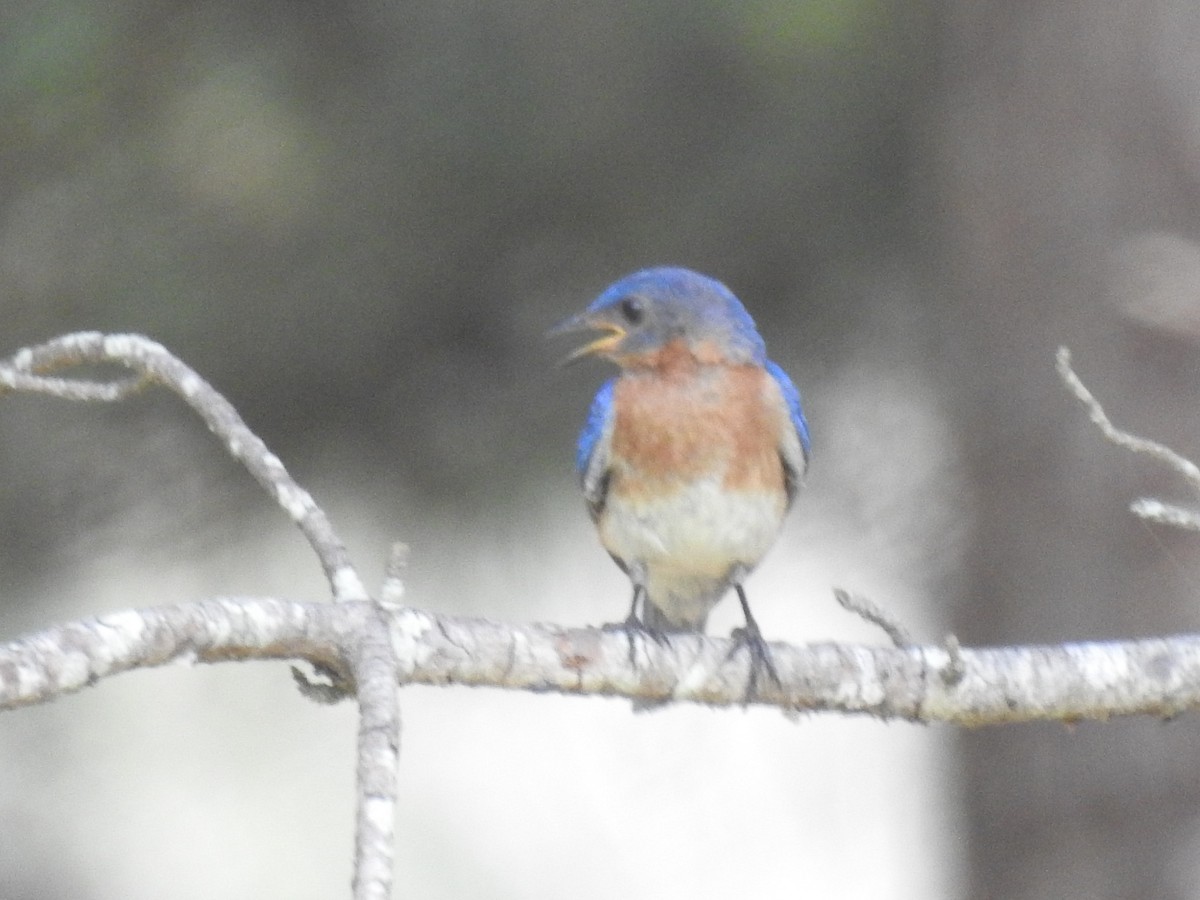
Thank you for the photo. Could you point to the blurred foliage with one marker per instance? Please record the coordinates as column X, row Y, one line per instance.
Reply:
column 777, row 30
column 359, row 220
column 56, row 65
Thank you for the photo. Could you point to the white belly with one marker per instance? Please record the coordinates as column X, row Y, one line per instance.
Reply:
column 691, row 543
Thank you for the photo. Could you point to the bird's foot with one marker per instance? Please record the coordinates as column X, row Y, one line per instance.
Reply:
column 750, row 638
column 631, row 626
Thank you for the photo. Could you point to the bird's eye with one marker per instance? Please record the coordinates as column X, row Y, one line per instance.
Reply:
column 632, row 310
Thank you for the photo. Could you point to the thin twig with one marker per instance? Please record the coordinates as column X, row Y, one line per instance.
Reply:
column 392, row 592
column 865, row 608
column 1153, row 510
column 1147, row 508
column 1180, row 464
column 955, row 669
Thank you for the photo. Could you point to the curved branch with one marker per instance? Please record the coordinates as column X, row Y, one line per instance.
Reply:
column 26, row 371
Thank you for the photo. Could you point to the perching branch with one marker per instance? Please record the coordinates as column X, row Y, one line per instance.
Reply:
column 371, row 647
column 1159, row 677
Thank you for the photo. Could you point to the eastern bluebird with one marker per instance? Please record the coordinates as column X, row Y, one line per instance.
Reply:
column 693, row 453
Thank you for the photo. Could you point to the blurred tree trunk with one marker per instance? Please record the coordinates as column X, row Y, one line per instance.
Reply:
column 1064, row 151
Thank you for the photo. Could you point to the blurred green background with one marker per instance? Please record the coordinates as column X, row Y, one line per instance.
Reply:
column 358, row 221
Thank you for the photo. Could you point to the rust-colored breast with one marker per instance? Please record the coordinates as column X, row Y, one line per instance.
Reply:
column 680, row 419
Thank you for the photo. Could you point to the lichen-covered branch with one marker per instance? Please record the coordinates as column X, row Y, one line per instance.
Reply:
column 373, row 647
column 66, row 658
column 919, row 683
column 1066, row 682
column 214, row 631
column 376, row 673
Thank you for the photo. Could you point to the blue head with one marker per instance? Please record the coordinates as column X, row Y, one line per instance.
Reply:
column 644, row 312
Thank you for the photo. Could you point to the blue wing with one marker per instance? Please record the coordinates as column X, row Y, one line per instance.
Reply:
column 591, row 456
column 792, row 397
column 594, row 427
column 794, row 452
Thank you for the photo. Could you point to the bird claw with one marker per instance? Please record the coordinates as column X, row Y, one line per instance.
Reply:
column 632, row 626
column 750, row 638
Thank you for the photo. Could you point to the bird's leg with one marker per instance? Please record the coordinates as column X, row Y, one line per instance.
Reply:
column 760, row 654
column 633, row 625
column 632, row 621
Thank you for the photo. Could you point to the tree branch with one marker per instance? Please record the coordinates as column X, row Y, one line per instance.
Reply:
column 365, row 663
column 373, row 647
column 377, row 674
column 1158, row 676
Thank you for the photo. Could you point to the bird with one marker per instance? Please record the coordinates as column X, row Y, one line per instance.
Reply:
column 692, row 454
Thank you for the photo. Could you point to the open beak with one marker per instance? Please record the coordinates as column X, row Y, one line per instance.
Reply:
column 601, row 346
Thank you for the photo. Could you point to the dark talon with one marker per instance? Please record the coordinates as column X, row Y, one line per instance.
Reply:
column 632, row 626
column 760, row 654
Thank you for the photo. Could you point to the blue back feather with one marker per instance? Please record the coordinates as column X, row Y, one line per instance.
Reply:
column 594, row 427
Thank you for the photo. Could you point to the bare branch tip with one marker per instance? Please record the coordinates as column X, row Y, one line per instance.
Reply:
column 393, row 577
column 955, row 670
column 1132, row 442
column 1153, row 510
column 866, row 609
